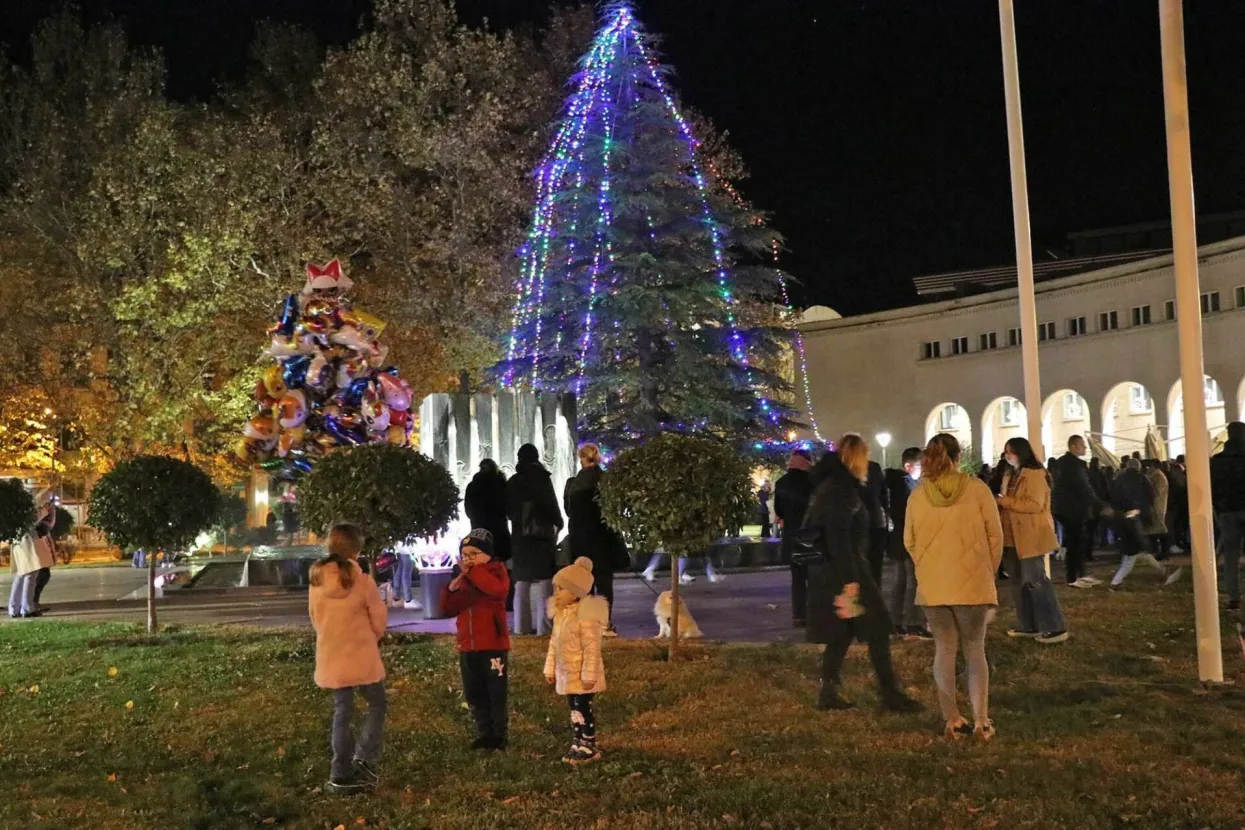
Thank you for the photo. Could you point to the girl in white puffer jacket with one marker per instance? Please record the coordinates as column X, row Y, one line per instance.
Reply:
column 574, row 661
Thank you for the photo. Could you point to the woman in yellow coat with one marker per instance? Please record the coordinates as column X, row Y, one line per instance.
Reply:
column 1028, row 536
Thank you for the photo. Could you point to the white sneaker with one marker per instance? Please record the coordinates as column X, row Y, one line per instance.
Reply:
column 686, row 579
column 715, row 578
column 1174, row 576
column 1089, row 580
column 610, row 631
column 649, row 576
column 412, row 605
column 1080, row 583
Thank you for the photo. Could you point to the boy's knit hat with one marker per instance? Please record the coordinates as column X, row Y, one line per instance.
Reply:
column 478, row 538
column 576, row 577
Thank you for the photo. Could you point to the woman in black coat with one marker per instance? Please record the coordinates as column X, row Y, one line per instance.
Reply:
column 840, row 509
column 485, row 504
column 588, row 533
column 535, row 521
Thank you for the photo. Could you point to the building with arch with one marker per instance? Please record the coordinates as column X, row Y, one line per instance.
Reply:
column 1108, row 350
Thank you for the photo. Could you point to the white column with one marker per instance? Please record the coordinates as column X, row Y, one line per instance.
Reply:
column 1189, row 331
column 1020, row 215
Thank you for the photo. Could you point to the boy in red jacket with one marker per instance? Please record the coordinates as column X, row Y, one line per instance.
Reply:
column 477, row 597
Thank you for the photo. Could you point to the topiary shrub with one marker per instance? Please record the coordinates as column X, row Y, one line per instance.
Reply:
column 679, row 493
column 64, row 524
column 17, row 510
column 394, row 494
column 154, row 503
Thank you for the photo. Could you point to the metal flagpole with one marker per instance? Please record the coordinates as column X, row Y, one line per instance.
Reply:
column 1189, row 330
column 1020, row 213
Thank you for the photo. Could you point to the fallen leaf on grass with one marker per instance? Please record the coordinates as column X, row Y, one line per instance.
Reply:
column 270, row 820
column 361, row 821
column 280, row 752
column 340, row 827
column 512, row 799
column 112, row 671
column 633, row 775
column 728, row 818
column 735, row 753
column 112, row 778
column 34, row 690
column 129, row 704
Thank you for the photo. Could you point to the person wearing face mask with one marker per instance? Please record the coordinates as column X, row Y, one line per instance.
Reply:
column 905, row 613
column 1028, row 536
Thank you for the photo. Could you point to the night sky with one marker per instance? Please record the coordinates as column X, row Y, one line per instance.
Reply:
column 874, row 130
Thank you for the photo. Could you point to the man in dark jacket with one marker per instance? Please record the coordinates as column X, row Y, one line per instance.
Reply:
column 1227, row 487
column 791, row 495
column 1074, row 503
column 908, row 617
column 879, row 507
column 839, row 509
column 536, row 521
column 587, row 531
column 1132, row 500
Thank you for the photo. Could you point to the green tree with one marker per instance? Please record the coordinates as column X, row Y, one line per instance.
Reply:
column 153, row 503
column 17, row 510
column 393, row 493
column 677, row 493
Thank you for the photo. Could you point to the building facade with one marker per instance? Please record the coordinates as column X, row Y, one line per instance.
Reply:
column 1107, row 351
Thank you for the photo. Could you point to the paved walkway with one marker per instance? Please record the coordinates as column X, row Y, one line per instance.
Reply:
column 744, row 607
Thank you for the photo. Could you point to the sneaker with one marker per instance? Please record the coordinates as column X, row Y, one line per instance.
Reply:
column 1022, row 634
column 897, row 701
column 1089, row 580
column 610, row 631
column 1113, row 588
column 829, row 699
column 958, row 731
column 1080, row 583
column 918, row 632
column 715, row 578
column 984, row 731
column 350, row 785
column 366, row 771
column 649, row 576
column 412, row 605
column 686, row 579
column 1053, row 637
column 1174, row 576
column 581, row 755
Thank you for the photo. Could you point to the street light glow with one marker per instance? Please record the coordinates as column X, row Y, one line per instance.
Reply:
column 883, row 439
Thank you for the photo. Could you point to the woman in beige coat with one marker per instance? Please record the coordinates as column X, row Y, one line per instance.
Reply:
column 952, row 533
column 1028, row 536
column 31, row 553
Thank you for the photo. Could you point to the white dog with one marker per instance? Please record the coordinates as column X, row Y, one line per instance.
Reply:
column 687, row 624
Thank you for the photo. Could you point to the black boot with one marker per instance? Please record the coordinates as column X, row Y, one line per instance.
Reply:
column 895, row 699
column 829, row 698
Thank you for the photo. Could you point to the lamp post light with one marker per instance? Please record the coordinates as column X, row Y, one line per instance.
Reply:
column 884, row 441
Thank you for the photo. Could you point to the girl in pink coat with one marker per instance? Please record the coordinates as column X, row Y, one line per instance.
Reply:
column 349, row 618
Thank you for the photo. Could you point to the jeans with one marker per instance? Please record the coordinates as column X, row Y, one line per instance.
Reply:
column 1033, row 594
column 22, row 594
column 485, row 688
column 403, row 576
column 583, row 721
column 1077, row 540
column 527, row 594
column 963, row 628
column 1231, row 534
column 903, row 608
column 345, row 750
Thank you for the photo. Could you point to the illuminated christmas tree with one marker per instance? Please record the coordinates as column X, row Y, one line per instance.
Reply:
column 644, row 287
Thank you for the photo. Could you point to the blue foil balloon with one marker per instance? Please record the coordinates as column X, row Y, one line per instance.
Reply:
column 354, row 394
column 289, row 316
column 340, row 434
column 294, row 371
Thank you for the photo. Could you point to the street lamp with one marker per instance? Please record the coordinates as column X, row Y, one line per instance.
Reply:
column 884, row 441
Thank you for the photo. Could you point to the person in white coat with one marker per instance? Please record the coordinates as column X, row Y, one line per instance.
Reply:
column 31, row 553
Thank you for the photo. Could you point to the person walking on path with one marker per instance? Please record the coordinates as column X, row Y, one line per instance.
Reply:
column 589, row 535
column 763, row 513
column 955, row 538
column 476, row 597
column 1028, row 536
column 573, row 662
column 791, row 495
column 844, row 603
column 30, row 555
column 1132, row 497
column 349, row 619
column 1156, row 522
column 905, row 613
column 1227, row 487
column 1074, row 505
column 536, row 522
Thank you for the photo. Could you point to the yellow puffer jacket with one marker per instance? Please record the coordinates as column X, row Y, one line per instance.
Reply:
column 574, row 657
column 1028, row 512
column 953, row 534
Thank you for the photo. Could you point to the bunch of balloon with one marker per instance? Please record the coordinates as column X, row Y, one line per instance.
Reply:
column 329, row 386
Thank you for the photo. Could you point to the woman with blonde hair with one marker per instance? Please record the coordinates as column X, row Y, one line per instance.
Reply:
column 953, row 534
column 844, row 603
column 1028, row 536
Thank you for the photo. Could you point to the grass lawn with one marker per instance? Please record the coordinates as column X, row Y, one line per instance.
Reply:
column 222, row 729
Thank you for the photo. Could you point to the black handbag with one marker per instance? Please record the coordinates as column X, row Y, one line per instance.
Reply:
column 808, row 547
column 536, row 526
